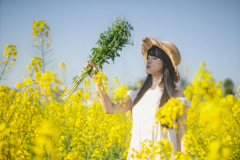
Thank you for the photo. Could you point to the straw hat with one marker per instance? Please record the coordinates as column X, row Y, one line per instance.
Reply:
column 168, row 47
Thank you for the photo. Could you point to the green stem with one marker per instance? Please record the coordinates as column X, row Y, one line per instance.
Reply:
column 88, row 153
column 64, row 79
column 4, row 68
column 43, row 64
column 14, row 109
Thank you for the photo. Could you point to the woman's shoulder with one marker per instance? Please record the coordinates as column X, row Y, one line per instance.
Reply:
column 133, row 91
column 178, row 93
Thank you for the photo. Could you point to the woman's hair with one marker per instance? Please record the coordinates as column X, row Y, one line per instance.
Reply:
column 169, row 85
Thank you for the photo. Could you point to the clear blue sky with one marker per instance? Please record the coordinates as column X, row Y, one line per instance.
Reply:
column 203, row 30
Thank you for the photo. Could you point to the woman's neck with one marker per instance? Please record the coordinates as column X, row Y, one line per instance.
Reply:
column 157, row 82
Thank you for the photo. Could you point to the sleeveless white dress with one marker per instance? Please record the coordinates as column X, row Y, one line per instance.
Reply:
column 144, row 127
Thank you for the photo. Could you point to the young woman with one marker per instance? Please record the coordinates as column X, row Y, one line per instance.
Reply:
column 161, row 58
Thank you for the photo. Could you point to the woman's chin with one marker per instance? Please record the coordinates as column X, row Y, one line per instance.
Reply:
column 148, row 72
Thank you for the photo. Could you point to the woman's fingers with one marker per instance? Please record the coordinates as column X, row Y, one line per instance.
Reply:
column 94, row 68
column 86, row 65
column 92, row 64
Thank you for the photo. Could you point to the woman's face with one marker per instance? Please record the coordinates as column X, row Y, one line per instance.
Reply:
column 155, row 65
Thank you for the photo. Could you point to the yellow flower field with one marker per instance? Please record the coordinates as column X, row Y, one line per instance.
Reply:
column 36, row 124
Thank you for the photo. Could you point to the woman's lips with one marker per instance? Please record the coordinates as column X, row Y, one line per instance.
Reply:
column 148, row 67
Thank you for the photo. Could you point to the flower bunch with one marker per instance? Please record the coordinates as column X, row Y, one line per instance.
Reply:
column 162, row 149
column 169, row 112
column 62, row 67
column 110, row 42
column 40, row 27
column 115, row 80
column 41, row 30
column 47, row 79
column 204, row 86
column 36, row 66
column 100, row 77
column 9, row 51
column 121, row 92
column 86, row 83
column 34, row 62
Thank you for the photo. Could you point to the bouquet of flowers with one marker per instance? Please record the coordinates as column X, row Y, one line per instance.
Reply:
column 110, row 42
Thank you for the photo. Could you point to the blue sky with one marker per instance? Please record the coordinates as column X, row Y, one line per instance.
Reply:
column 203, row 30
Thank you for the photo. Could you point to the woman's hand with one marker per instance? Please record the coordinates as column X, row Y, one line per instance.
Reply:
column 94, row 68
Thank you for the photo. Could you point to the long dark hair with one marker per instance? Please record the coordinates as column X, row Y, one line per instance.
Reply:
column 169, row 85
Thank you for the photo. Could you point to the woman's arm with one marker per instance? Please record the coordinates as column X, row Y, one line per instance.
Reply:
column 111, row 108
column 106, row 103
column 180, row 132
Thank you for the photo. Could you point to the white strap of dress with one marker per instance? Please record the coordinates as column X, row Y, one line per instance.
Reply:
column 185, row 101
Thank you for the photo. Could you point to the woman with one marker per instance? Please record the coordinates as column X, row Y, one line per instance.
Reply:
column 161, row 58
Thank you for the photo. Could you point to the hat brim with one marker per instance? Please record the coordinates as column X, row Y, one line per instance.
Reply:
column 149, row 42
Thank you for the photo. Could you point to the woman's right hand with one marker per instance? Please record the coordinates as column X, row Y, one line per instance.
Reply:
column 94, row 68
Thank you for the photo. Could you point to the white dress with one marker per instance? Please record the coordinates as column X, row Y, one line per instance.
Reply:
column 144, row 127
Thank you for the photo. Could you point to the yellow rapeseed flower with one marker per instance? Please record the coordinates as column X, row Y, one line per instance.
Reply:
column 87, row 83
column 64, row 88
column 62, row 64
column 238, row 88
column 120, row 92
column 115, row 80
column 14, row 53
column 55, row 88
column 46, row 33
column 29, row 66
column 18, row 85
column 169, row 112
column 139, row 85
